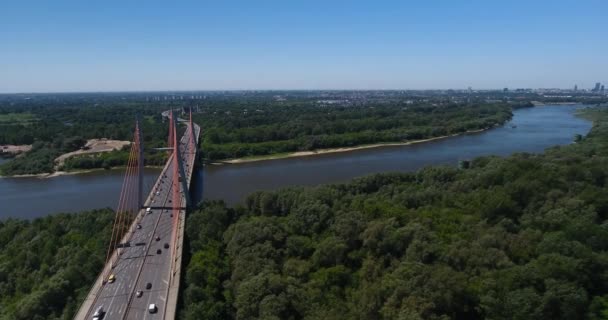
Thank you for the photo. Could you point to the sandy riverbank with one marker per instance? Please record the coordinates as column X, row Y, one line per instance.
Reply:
column 14, row 150
column 56, row 173
column 267, row 157
column 93, row 146
column 67, row 173
column 543, row 104
column 338, row 150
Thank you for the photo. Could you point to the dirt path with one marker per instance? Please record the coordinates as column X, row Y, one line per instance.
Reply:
column 93, row 146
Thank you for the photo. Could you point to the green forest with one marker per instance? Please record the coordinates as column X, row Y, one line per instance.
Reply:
column 260, row 130
column 48, row 265
column 521, row 237
column 57, row 127
column 232, row 127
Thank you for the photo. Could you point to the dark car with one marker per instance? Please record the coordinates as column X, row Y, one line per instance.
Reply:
column 99, row 313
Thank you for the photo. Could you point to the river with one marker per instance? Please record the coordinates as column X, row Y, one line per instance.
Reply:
column 530, row 130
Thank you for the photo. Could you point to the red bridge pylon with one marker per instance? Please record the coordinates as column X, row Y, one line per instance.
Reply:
column 131, row 196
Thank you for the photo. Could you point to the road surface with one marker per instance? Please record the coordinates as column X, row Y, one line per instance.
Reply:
column 146, row 265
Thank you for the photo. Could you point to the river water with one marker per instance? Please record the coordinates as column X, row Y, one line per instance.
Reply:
column 535, row 129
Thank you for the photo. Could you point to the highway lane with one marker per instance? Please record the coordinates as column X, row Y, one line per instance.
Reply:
column 140, row 265
column 157, row 267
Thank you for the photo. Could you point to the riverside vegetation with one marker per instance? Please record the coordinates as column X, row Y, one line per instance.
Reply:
column 54, row 128
column 233, row 127
column 48, row 265
column 521, row 237
column 262, row 130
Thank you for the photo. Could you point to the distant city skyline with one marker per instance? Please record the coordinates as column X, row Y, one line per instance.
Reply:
column 76, row 46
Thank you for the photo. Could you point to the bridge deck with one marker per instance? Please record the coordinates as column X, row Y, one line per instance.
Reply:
column 152, row 263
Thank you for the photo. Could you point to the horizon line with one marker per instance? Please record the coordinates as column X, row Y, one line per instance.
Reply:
column 270, row 90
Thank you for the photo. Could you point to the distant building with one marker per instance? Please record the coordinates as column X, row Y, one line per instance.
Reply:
column 597, row 87
column 575, row 87
column 505, row 90
column 602, row 88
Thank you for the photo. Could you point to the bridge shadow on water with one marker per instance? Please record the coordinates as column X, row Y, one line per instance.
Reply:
column 198, row 185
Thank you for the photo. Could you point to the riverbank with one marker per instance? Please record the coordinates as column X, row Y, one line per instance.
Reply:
column 535, row 131
column 68, row 173
column 93, row 146
column 48, row 175
column 339, row 150
column 12, row 151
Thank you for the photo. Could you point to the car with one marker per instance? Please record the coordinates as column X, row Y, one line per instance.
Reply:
column 166, row 245
column 139, row 293
column 152, row 308
column 99, row 313
column 111, row 278
column 138, row 226
column 149, row 209
column 123, row 245
column 148, row 286
column 157, row 238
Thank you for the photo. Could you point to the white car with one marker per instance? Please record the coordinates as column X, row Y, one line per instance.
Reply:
column 99, row 313
column 152, row 308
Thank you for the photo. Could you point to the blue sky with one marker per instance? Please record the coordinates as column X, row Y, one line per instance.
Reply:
column 58, row 46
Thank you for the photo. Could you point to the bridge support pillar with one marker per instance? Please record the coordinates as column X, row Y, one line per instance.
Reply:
column 180, row 164
column 140, row 165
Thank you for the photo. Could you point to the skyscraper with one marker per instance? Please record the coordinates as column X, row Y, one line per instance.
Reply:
column 597, row 87
column 575, row 87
